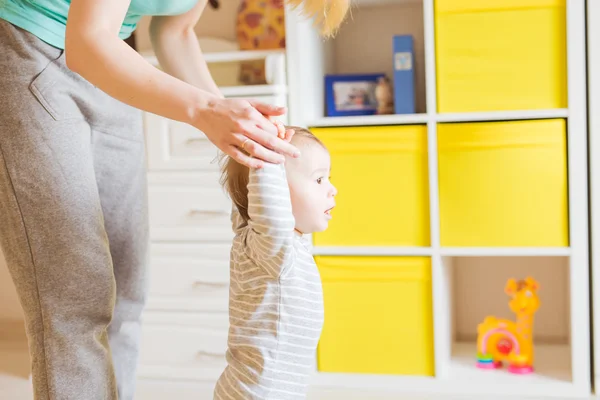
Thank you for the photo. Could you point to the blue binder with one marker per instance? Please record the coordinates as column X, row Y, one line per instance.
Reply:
column 404, row 74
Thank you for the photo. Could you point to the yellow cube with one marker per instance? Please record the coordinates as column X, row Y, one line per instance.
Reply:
column 500, row 55
column 382, row 179
column 503, row 184
column 378, row 315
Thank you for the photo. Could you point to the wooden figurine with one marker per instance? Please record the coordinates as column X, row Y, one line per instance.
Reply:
column 385, row 96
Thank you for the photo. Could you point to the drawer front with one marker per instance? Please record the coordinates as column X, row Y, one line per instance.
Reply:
column 379, row 315
column 500, row 55
column 503, row 184
column 159, row 389
column 189, row 277
column 184, row 350
column 376, row 204
column 173, row 145
column 189, row 213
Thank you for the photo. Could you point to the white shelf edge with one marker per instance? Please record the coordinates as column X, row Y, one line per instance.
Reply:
column 424, row 118
column 505, row 251
column 371, row 251
column 577, row 152
column 552, row 379
column 369, row 120
column 358, row 4
column 242, row 90
column 443, row 251
column 401, row 386
column 593, row 51
column 253, row 90
column 502, row 115
column 225, row 56
column 441, row 284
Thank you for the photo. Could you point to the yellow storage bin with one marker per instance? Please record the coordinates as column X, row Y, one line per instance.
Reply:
column 500, row 54
column 503, row 183
column 383, row 191
column 378, row 315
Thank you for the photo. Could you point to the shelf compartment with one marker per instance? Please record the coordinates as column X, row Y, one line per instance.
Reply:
column 379, row 315
column 500, row 54
column 352, row 51
column 365, row 165
column 478, row 291
column 503, row 184
column 502, row 115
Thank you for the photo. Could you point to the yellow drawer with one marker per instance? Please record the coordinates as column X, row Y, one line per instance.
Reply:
column 503, row 184
column 378, row 315
column 500, row 54
column 383, row 194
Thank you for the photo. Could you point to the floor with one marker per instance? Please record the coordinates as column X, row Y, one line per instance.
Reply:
column 15, row 384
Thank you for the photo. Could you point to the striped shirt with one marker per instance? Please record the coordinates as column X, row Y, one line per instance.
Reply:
column 275, row 298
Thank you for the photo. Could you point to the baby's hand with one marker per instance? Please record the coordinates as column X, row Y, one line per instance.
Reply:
column 281, row 131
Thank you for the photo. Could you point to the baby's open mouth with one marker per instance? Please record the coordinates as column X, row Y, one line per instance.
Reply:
column 328, row 212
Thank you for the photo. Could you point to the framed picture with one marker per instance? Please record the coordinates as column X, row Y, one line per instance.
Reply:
column 351, row 94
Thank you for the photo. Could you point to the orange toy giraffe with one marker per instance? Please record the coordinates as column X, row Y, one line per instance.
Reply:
column 501, row 340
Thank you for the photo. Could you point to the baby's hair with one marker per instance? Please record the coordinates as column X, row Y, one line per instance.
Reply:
column 328, row 14
column 235, row 176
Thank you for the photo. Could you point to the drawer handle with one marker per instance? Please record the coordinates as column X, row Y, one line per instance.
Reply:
column 195, row 211
column 193, row 140
column 213, row 285
column 208, row 354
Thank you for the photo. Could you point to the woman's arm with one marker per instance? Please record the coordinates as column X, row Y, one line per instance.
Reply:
column 178, row 52
column 94, row 50
column 177, row 49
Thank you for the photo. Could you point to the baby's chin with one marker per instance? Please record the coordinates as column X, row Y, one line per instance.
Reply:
column 321, row 227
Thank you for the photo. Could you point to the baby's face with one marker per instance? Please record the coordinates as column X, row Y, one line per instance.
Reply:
column 311, row 191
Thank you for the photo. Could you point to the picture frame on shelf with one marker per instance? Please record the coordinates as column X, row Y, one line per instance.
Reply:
column 351, row 94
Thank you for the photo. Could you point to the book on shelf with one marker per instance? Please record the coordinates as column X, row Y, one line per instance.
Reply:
column 404, row 74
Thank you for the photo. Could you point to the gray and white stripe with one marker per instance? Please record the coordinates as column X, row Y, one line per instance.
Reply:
column 275, row 299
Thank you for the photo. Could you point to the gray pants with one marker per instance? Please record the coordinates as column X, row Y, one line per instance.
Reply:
column 73, row 221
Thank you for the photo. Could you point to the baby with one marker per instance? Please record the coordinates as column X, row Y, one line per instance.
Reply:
column 275, row 298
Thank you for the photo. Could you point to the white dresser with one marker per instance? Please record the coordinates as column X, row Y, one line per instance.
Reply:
column 186, row 321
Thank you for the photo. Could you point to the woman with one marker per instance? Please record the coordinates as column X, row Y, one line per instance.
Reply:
column 72, row 180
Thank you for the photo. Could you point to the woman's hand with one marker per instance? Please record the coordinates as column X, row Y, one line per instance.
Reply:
column 243, row 130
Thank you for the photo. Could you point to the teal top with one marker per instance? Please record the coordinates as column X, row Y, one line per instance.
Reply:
column 47, row 19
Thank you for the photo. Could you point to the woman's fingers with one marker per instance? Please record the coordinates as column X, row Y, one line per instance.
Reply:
column 243, row 158
column 272, row 142
column 260, row 120
column 267, row 109
column 258, row 151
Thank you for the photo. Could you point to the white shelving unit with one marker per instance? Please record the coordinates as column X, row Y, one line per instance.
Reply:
column 593, row 49
column 564, row 368
column 275, row 71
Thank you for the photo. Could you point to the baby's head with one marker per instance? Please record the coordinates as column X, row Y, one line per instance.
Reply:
column 312, row 193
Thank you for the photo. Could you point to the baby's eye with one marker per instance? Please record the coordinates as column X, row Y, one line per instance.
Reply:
column 319, row 180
